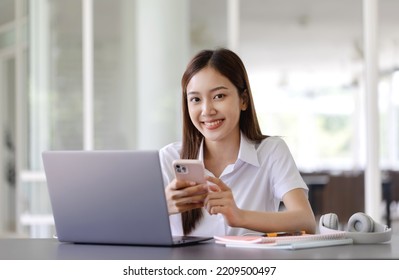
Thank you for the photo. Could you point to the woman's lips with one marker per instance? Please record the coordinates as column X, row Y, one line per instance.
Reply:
column 213, row 124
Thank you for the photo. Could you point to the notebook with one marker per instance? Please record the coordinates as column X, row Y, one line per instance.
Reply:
column 303, row 241
column 308, row 244
column 109, row 197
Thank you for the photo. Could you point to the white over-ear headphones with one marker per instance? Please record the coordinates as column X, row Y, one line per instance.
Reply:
column 361, row 228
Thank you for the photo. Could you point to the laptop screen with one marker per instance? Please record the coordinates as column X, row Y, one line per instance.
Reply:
column 112, row 197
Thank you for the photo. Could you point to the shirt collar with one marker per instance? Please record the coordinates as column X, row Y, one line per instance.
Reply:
column 247, row 152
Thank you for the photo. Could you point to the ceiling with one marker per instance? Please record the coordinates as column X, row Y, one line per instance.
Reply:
column 299, row 34
column 282, row 34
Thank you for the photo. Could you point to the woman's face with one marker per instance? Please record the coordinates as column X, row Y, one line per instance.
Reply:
column 214, row 105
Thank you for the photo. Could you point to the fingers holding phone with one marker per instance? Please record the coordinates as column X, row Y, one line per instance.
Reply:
column 190, row 176
column 189, row 170
column 188, row 190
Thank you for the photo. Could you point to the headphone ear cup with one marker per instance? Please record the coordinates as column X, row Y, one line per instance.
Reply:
column 330, row 221
column 360, row 222
column 362, row 229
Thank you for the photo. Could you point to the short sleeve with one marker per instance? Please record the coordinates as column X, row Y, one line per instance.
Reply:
column 284, row 173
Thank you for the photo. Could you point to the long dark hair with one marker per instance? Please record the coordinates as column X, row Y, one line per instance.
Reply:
column 229, row 64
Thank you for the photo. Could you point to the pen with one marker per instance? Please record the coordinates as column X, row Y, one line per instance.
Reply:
column 284, row 233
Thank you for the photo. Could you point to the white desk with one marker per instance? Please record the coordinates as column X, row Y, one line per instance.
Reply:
column 49, row 249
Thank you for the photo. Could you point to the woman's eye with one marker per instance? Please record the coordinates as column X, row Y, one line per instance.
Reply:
column 194, row 99
column 219, row 96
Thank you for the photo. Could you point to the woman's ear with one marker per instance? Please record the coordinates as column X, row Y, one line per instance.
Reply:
column 244, row 100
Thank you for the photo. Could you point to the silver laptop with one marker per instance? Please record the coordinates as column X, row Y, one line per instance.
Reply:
column 109, row 197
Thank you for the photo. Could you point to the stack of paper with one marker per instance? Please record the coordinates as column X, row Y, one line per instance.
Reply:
column 285, row 242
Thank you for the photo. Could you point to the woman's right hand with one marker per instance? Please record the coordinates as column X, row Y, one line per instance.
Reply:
column 182, row 196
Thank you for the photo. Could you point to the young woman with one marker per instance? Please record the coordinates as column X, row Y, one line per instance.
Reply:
column 248, row 173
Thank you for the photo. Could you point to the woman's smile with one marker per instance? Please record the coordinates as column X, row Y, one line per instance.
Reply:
column 214, row 124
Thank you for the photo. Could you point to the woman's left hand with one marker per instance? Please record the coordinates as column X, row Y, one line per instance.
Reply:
column 220, row 200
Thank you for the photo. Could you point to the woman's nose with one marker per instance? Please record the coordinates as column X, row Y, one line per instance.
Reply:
column 208, row 108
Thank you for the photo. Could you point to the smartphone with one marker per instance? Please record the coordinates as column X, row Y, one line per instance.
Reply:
column 189, row 170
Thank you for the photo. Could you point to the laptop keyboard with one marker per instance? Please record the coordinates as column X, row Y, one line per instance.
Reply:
column 185, row 239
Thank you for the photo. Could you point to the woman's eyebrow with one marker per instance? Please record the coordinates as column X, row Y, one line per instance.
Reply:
column 211, row 90
column 218, row 88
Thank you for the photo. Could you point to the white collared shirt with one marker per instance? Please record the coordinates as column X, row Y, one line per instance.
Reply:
column 259, row 178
